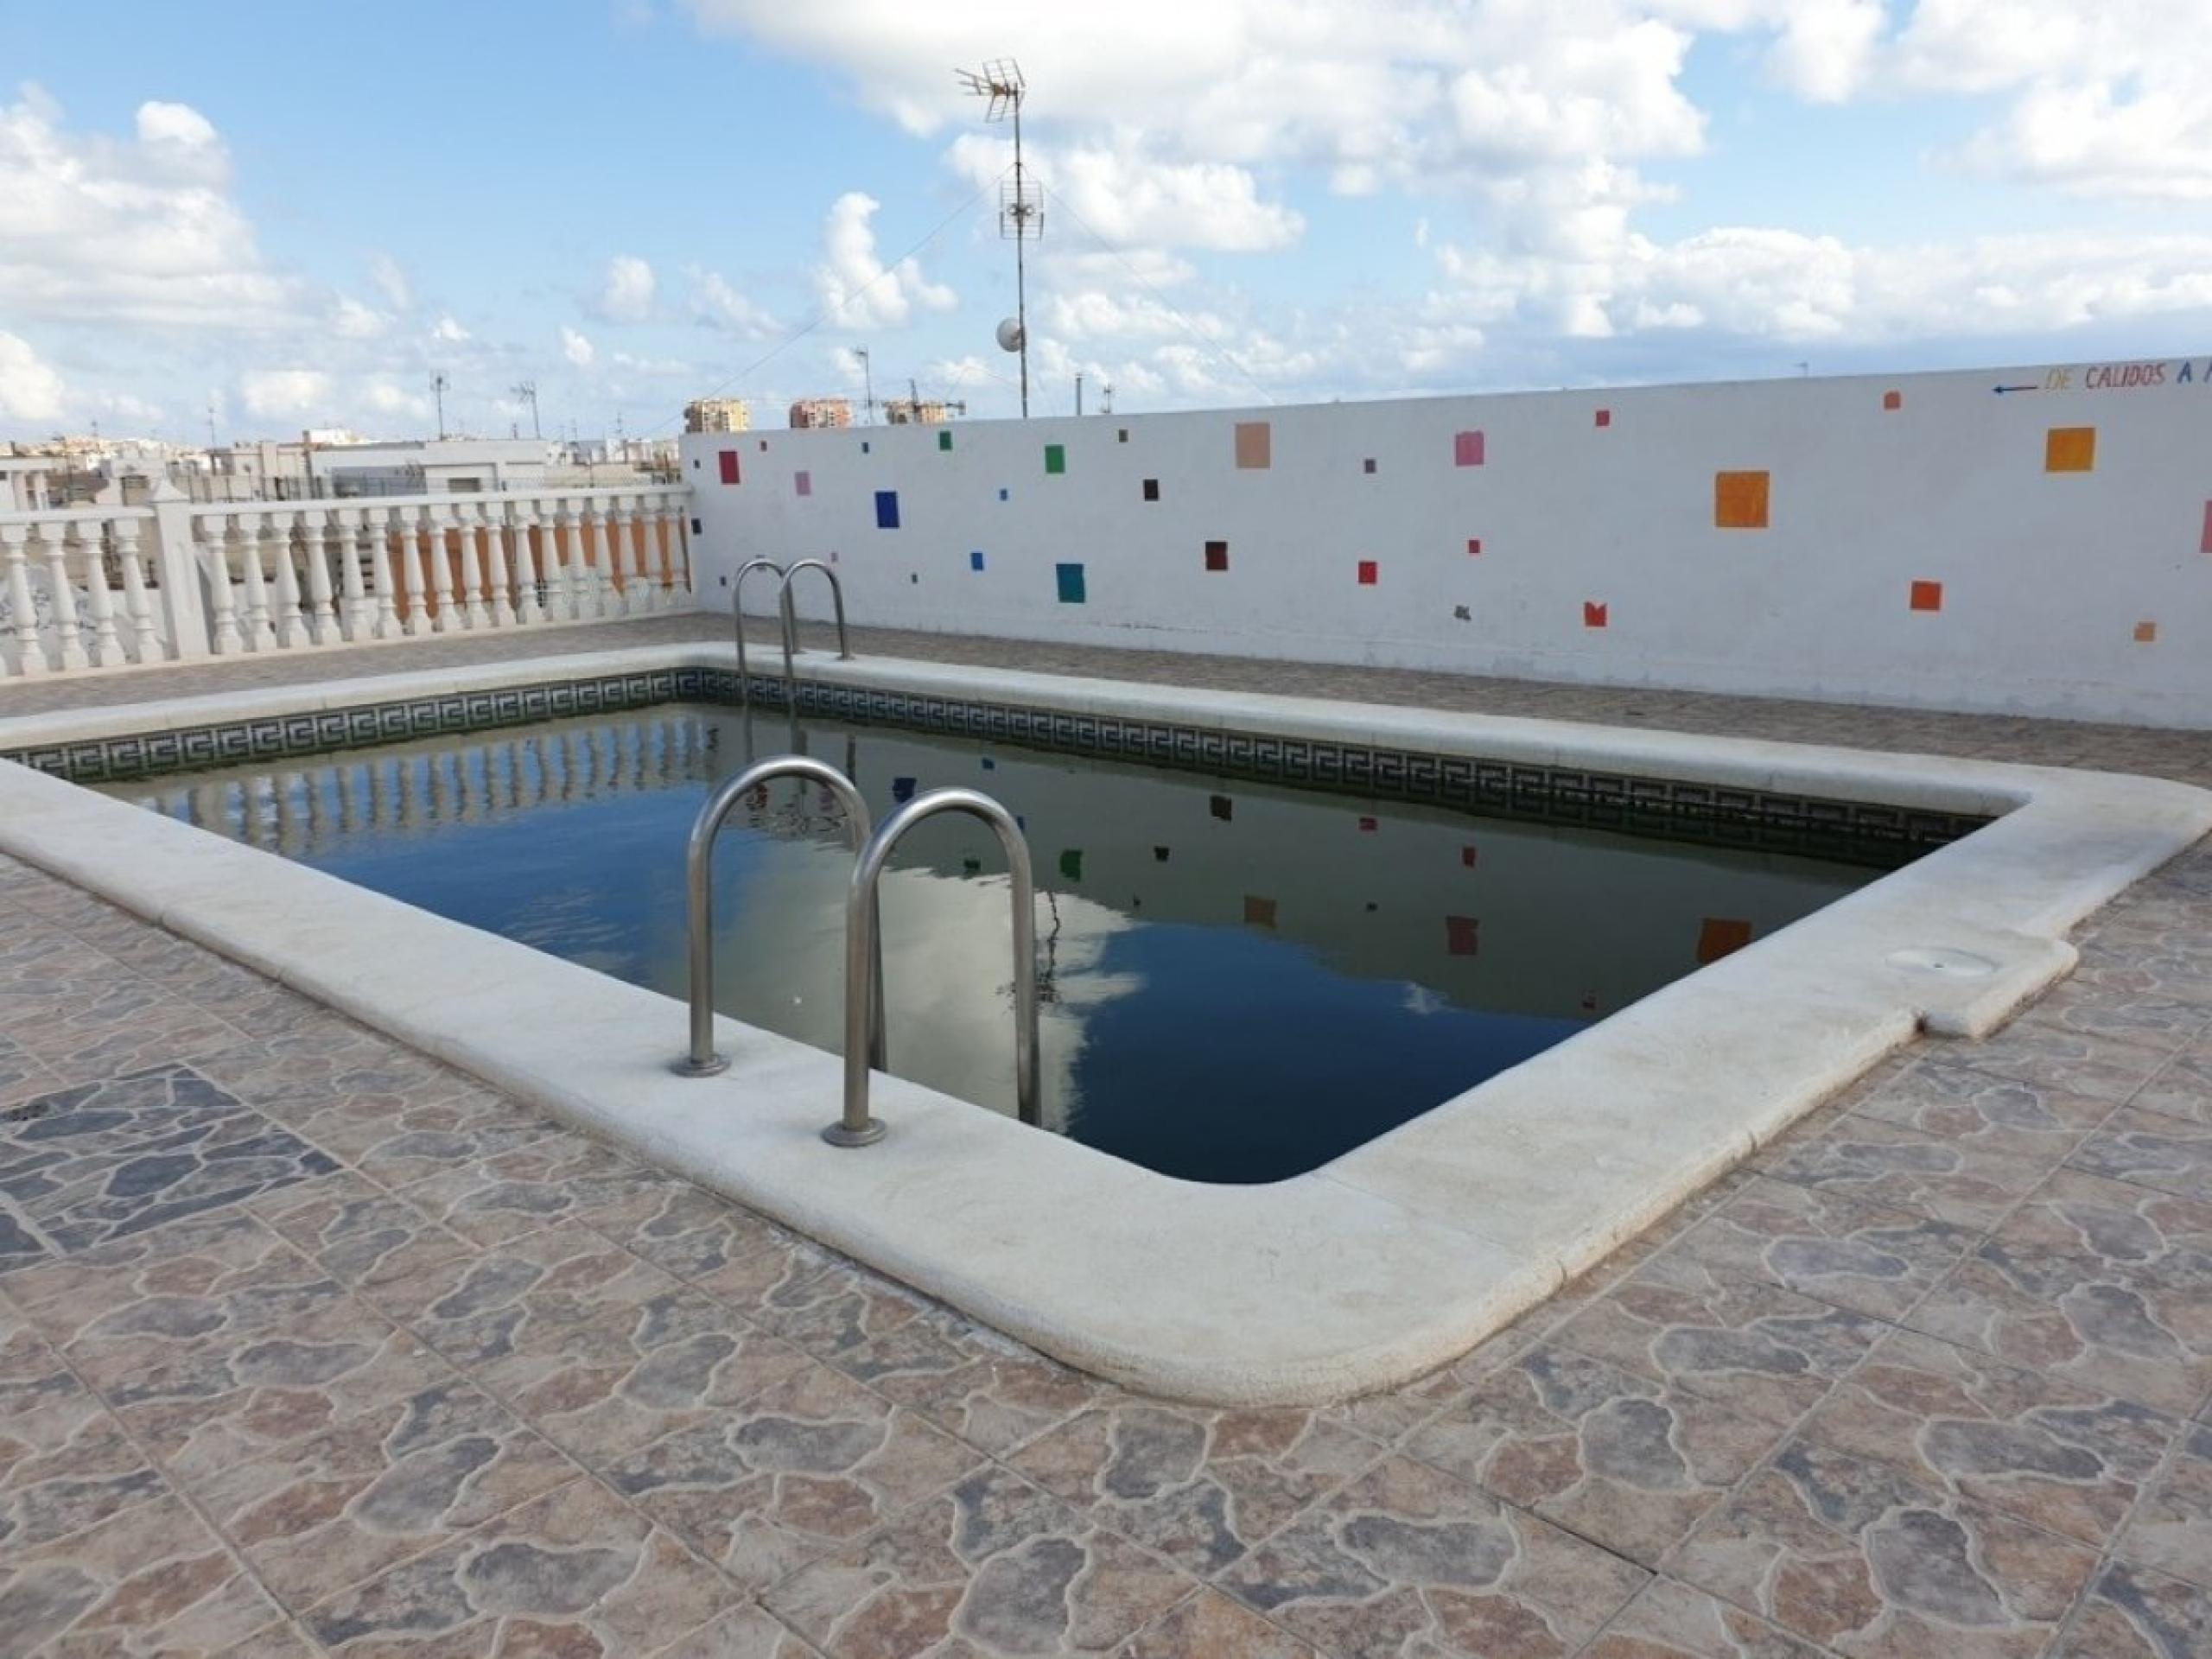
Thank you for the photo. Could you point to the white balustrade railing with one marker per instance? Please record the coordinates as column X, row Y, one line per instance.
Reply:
column 102, row 588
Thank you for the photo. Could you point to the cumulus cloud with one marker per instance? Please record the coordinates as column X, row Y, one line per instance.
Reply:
column 271, row 392
column 448, row 330
column 717, row 304
column 391, row 281
column 574, row 347
column 136, row 230
column 29, row 389
column 625, row 293
column 854, row 287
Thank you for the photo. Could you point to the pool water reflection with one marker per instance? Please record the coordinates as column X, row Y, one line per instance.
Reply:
column 1239, row 981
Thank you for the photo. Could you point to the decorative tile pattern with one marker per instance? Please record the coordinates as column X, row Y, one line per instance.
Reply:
column 2151, row 1149
column 1668, row 1620
column 2133, row 1614
column 2172, row 1526
column 1941, row 1177
column 2115, row 1222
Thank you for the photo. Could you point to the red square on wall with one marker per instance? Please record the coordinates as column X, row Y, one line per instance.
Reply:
column 1593, row 614
column 1467, row 856
column 1217, row 556
column 1474, row 544
column 1367, row 573
column 1605, row 418
column 1367, row 826
column 1459, row 935
column 1927, row 595
column 729, row 465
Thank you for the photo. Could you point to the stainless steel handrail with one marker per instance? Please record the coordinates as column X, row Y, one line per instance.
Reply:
column 702, row 1061
column 790, row 614
column 737, row 609
column 863, row 955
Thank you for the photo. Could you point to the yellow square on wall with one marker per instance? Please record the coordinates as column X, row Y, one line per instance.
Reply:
column 2069, row 450
column 1739, row 500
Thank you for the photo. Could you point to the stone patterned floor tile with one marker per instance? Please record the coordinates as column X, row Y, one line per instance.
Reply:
column 2116, row 1223
column 992, row 1568
column 2183, row 1090
column 2054, row 1455
column 696, row 1234
column 2123, row 1013
column 21, row 1077
column 837, row 1309
column 1407, row 1562
column 367, row 1239
column 2142, row 1333
column 2130, row 1613
column 1621, row 1460
column 300, row 1070
column 2172, row 1530
column 561, row 1176
column 2151, row 1149
column 1862, row 1257
column 1197, row 1486
column 747, row 1632
column 1848, row 1552
column 759, row 1283
column 1670, row 1620
column 429, row 1138
column 2047, row 1053
column 100, row 1161
column 1765, row 1350
column 330, row 1511
column 805, row 1468
column 65, row 1463
column 117, row 1033
column 988, row 1389
column 1941, row 1177
column 573, row 1572
column 152, row 1580
column 1210, row 1625
column 1982, row 1109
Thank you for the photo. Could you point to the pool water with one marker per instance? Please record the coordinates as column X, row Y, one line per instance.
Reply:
column 1239, row 981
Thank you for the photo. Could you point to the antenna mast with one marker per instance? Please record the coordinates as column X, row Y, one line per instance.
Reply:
column 1021, row 210
column 526, row 392
column 438, row 385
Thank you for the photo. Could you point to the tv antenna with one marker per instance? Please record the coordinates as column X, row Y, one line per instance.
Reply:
column 1022, row 208
column 526, row 392
column 867, row 381
column 438, row 385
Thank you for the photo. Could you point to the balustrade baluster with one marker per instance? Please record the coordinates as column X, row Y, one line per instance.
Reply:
column 643, row 533
column 466, row 543
column 211, row 547
column 276, row 530
column 259, row 635
column 68, row 642
column 30, row 655
column 144, row 634
column 617, row 543
column 85, row 540
column 380, row 615
column 415, row 604
column 593, row 600
column 561, row 563
column 444, row 618
column 529, row 609
column 355, row 620
column 500, row 570
column 316, row 526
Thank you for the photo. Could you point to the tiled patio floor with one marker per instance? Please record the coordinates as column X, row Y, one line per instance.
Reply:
column 307, row 1343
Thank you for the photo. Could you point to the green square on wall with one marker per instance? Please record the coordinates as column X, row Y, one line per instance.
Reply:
column 1070, row 577
column 1055, row 458
column 944, row 440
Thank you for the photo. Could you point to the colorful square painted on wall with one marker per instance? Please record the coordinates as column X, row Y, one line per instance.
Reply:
column 1369, row 573
column 1604, row 417
column 886, row 509
column 1151, row 489
column 1462, row 935
column 1926, row 597
column 2069, row 450
column 2146, row 633
column 1893, row 400
column 1217, row 556
column 976, row 560
column 1003, row 496
column 2205, row 544
column 1721, row 936
column 1258, row 911
column 1593, row 614
column 1466, row 449
column 944, row 440
column 803, row 483
column 1739, row 500
column 1368, row 466
column 1055, row 458
column 1474, row 545
column 729, row 460
column 1255, row 445
column 1070, row 580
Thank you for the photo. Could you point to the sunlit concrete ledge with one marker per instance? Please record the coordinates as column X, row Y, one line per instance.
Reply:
column 1356, row 1276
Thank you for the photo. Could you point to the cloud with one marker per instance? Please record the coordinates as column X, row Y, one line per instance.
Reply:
column 855, row 288
column 386, row 397
column 29, row 389
column 718, row 305
column 575, row 347
column 135, row 231
column 268, row 393
column 391, row 281
column 448, row 331
column 1125, row 197
column 351, row 320
column 625, row 293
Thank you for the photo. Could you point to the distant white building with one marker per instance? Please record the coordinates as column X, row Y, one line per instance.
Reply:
column 429, row 467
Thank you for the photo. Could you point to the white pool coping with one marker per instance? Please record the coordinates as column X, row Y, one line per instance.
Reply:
column 1357, row 1276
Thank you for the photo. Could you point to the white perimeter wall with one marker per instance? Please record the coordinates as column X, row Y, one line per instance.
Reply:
column 2057, row 589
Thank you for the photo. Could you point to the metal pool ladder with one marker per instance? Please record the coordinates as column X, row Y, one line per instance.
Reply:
column 701, row 1061
column 864, row 958
column 737, row 608
column 790, row 613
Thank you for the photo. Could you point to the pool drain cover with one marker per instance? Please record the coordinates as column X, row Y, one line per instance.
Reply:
column 1935, row 959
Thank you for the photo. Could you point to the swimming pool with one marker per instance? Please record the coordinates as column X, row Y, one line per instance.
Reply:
column 1242, row 980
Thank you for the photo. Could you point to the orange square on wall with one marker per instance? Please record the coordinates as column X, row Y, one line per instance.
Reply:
column 2069, row 450
column 1739, row 500
column 1718, row 936
column 1892, row 400
column 1927, row 595
column 2146, row 633
column 1255, row 444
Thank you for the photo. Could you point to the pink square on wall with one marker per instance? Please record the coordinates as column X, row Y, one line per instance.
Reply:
column 2205, row 546
column 1467, row 449
column 1605, row 418
column 1474, row 545
column 803, row 483
column 1367, row 573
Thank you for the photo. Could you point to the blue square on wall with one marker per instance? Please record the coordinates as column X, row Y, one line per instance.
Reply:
column 975, row 561
column 1070, row 577
column 1002, row 495
column 886, row 509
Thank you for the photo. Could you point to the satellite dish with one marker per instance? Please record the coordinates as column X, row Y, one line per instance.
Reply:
column 1010, row 335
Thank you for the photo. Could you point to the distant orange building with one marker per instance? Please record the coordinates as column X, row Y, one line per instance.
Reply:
column 822, row 411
